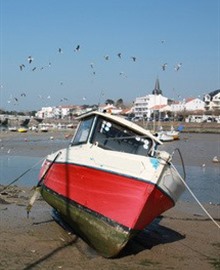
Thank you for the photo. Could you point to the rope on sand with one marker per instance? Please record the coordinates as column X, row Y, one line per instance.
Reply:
column 193, row 195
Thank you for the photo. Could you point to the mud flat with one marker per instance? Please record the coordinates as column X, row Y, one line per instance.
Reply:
column 182, row 238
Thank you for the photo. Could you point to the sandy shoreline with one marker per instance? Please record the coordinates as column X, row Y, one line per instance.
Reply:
column 182, row 238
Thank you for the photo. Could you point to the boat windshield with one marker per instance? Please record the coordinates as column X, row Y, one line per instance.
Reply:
column 112, row 136
column 82, row 133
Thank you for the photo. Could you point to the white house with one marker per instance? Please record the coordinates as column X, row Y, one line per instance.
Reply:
column 59, row 112
column 189, row 104
column 64, row 111
column 194, row 104
column 177, row 106
column 45, row 112
column 109, row 108
column 143, row 105
column 212, row 100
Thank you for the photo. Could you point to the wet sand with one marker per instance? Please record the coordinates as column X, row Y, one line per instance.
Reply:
column 182, row 238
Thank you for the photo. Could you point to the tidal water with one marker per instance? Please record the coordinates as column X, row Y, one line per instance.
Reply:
column 203, row 181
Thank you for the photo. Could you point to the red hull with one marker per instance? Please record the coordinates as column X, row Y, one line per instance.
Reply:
column 130, row 202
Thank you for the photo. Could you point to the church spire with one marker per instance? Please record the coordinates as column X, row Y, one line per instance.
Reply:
column 157, row 90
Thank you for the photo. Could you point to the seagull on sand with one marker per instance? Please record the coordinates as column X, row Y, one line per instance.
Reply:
column 133, row 58
column 60, row 50
column 119, row 55
column 106, row 57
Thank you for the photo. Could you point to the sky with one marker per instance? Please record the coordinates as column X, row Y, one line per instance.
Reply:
column 154, row 32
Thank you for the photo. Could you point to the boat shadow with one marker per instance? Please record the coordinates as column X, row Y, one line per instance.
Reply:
column 153, row 235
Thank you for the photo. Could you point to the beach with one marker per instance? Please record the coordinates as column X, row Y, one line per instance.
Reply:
column 182, row 238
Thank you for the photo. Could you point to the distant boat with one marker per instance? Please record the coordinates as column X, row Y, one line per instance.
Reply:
column 22, row 130
column 110, row 182
column 164, row 136
column 44, row 129
column 12, row 129
column 173, row 133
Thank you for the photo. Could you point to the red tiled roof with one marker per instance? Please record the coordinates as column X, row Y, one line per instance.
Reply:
column 158, row 107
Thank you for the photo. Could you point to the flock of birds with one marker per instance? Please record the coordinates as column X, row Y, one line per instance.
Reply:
column 29, row 64
column 106, row 57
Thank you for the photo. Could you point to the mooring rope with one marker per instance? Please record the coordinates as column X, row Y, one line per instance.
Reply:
column 194, row 196
column 21, row 175
column 182, row 162
column 38, row 187
column 47, row 170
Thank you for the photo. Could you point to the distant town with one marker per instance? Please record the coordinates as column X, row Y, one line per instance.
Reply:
column 152, row 107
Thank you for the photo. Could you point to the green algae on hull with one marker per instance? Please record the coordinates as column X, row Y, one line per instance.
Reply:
column 105, row 236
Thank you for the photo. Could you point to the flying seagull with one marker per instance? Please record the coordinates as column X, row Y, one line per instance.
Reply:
column 123, row 74
column 30, row 59
column 178, row 66
column 49, row 65
column 62, row 99
column 77, row 48
column 21, row 67
column 164, row 66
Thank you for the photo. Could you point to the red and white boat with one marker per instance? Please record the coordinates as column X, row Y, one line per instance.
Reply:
column 110, row 182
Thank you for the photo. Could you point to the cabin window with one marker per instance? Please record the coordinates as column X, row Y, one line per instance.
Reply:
column 83, row 131
column 111, row 136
